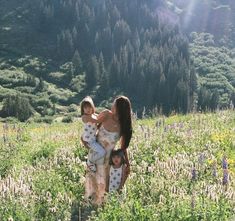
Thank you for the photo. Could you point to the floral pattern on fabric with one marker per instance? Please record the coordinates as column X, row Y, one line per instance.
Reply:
column 96, row 182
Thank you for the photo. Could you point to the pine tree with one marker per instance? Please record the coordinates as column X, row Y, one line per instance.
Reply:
column 77, row 63
column 233, row 98
column 40, row 86
column 204, row 98
column 92, row 73
column 103, row 79
column 214, row 101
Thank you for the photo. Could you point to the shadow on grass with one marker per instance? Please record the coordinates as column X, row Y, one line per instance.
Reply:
column 81, row 212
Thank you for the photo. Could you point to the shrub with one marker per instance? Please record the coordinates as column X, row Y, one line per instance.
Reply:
column 73, row 108
column 54, row 98
column 46, row 119
column 17, row 106
column 67, row 119
column 44, row 102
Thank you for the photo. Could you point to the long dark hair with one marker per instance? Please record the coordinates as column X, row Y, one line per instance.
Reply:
column 123, row 107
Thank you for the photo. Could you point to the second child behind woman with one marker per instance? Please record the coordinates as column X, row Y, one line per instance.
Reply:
column 117, row 172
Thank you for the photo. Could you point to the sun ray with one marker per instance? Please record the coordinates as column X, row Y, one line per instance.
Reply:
column 189, row 12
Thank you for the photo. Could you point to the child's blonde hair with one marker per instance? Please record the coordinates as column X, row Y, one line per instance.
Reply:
column 87, row 101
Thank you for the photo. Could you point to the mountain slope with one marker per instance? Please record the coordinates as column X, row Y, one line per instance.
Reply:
column 215, row 67
column 102, row 48
column 211, row 30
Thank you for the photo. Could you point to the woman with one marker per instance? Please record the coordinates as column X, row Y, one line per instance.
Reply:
column 115, row 125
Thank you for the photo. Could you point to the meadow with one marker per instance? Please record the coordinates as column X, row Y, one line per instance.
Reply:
column 182, row 168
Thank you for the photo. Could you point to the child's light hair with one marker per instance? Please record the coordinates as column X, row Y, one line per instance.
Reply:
column 87, row 101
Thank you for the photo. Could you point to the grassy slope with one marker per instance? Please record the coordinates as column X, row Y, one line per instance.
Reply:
column 42, row 170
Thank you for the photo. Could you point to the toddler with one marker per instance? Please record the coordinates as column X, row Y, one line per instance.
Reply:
column 117, row 171
column 89, row 118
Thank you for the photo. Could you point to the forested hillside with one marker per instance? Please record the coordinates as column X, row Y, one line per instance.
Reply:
column 210, row 27
column 52, row 53
column 101, row 48
column 216, row 70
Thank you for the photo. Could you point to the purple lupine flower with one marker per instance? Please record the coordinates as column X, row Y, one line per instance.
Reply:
column 193, row 201
column 224, row 163
column 201, row 158
column 214, row 171
column 225, row 177
column 194, row 174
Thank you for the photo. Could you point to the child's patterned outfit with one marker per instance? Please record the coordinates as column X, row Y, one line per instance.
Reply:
column 89, row 136
column 115, row 177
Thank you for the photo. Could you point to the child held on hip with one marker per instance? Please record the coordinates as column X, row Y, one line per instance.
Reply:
column 90, row 121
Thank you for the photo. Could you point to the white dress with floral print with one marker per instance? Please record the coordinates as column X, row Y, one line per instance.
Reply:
column 115, row 178
column 96, row 182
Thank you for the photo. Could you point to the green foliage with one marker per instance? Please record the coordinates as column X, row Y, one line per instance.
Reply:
column 159, row 188
column 215, row 67
column 42, row 169
column 67, row 119
column 45, row 152
column 103, row 49
column 73, row 108
column 45, row 119
column 17, row 106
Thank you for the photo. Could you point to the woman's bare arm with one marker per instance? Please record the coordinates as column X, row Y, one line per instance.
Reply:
column 124, row 177
column 90, row 118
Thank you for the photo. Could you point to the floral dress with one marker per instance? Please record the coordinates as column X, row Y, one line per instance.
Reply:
column 95, row 185
column 115, row 178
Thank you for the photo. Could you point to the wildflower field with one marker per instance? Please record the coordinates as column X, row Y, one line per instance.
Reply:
column 182, row 168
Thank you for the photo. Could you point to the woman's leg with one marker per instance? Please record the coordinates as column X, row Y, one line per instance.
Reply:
column 101, row 177
column 90, row 187
column 100, row 194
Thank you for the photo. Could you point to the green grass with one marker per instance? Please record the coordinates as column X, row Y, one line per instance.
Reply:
column 42, row 170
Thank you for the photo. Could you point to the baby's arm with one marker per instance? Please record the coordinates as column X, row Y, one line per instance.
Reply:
column 94, row 118
column 90, row 118
column 103, row 115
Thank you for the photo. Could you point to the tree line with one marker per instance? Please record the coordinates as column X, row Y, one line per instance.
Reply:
column 107, row 47
column 122, row 47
